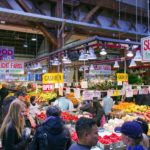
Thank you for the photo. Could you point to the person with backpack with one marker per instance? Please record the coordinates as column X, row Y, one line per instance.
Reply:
column 52, row 134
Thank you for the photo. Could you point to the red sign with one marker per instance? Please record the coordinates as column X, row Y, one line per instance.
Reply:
column 48, row 87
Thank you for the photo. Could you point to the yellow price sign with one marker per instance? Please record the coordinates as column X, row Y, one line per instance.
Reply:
column 49, row 78
column 122, row 77
column 116, row 92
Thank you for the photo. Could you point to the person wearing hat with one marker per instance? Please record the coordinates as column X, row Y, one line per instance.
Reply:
column 144, row 126
column 131, row 135
column 20, row 95
column 52, row 134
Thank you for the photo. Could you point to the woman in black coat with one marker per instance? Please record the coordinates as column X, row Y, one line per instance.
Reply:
column 12, row 128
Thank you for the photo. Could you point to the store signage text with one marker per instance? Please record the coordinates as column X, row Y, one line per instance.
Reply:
column 101, row 70
column 49, row 78
column 145, row 49
column 6, row 53
column 12, row 67
column 48, row 87
column 122, row 77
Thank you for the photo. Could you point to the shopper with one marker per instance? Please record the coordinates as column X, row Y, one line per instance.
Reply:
column 20, row 95
column 86, row 105
column 3, row 93
column 131, row 135
column 34, row 107
column 29, row 121
column 64, row 104
column 52, row 134
column 107, row 103
column 144, row 126
column 11, row 131
column 98, row 112
column 87, row 133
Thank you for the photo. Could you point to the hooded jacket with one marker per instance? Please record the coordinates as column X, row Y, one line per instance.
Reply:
column 51, row 135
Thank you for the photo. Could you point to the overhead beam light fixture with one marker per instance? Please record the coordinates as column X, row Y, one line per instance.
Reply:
column 116, row 65
column 103, row 52
column 138, row 56
column 129, row 52
column 132, row 64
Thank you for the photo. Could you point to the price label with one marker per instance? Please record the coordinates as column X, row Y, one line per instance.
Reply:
column 122, row 77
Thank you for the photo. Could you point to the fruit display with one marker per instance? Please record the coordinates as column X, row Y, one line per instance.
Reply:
column 129, row 117
column 66, row 116
column 74, row 136
column 147, row 116
column 109, row 139
column 41, row 116
column 112, row 123
column 131, row 107
column 71, row 97
column 43, row 96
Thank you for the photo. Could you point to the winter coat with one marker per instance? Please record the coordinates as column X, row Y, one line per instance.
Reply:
column 51, row 135
column 11, row 140
column 3, row 94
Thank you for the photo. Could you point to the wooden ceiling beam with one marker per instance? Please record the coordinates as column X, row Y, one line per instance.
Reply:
column 49, row 36
column 106, row 4
column 18, row 28
column 91, row 13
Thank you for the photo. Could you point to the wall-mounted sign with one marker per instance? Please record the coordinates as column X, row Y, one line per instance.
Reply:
column 145, row 49
column 6, row 53
column 49, row 78
column 11, row 67
column 122, row 77
column 101, row 70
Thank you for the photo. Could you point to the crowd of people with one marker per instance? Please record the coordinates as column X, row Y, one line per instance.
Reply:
column 19, row 131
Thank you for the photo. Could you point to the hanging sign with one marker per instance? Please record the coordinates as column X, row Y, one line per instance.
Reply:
column 6, row 53
column 122, row 77
column 48, row 87
column 50, row 78
column 11, row 67
column 145, row 49
column 100, row 70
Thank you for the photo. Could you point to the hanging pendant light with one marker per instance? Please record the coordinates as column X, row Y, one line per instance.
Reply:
column 56, row 62
column 116, row 65
column 91, row 67
column 138, row 56
column 83, row 56
column 66, row 60
column 103, row 51
column 129, row 54
column 39, row 66
column 91, row 55
column 132, row 64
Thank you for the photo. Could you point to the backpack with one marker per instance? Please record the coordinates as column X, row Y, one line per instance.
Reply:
column 40, row 140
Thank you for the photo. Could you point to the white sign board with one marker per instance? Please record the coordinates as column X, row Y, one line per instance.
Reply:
column 11, row 67
column 145, row 49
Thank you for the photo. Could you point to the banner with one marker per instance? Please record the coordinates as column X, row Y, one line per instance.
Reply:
column 11, row 67
column 100, row 70
column 145, row 49
column 49, row 78
column 6, row 53
column 122, row 77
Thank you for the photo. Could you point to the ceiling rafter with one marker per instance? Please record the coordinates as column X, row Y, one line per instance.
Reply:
column 91, row 13
column 49, row 36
